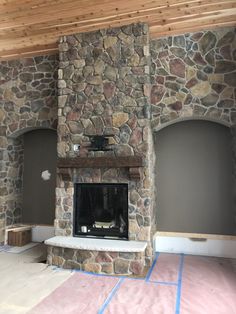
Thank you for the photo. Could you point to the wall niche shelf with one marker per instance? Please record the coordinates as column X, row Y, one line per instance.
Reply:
column 132, row 163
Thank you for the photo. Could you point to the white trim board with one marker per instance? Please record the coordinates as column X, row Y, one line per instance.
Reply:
column 196, row 246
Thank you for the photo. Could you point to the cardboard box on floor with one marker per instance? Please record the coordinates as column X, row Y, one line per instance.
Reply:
column 19, row 237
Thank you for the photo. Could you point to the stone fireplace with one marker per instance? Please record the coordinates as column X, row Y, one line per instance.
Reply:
column 111, row 85
column 103, row 90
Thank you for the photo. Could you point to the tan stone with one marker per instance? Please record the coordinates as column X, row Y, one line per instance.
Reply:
column 126, row 39
column 216, row 78
column 134, row 60
column 121, row 266
column 144, row 234
column 119, row 118
column 149, row 251
column 180, row 96
column 190, row 73
column 107, row 268
column 79, row 63
column 92, row 267
column 62, row 101
column 57, row 261
column 8, row 94
column 109, row 41
column 62, row 148
column 169, row 100
column 2, row 115
column 201, row 89
column 3, row 142
column 187, row 111
column 146, row 183
column 133, row 226
column 99, row 66
column 111, row 141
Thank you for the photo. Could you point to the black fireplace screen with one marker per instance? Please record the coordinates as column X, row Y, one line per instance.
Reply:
column 101, row 210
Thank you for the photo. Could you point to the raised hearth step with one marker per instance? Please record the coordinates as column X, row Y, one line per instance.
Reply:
column 97, row 244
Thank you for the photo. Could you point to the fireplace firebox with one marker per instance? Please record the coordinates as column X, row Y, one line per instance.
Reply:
column 101, row 210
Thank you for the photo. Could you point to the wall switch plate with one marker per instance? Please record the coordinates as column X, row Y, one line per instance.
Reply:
column 76, row 147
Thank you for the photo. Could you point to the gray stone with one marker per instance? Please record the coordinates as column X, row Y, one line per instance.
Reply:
column 230, row 79
column 124, row 150
column 36, row 105
column 198, row 110
column 179, row 41
column 121, row 266
column 94, row 80
column 178, row 52
column 111, row 73
column 210, row 100
column 26, row 77
column 127, row 255
column 226, row 103
column 228, row 38
column 225, row 66
column 83, row 256
column 207, row 42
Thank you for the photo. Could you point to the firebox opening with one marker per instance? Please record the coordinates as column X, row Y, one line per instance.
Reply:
column 101, row 210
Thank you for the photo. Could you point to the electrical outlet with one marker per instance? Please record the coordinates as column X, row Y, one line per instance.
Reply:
column 76, row 147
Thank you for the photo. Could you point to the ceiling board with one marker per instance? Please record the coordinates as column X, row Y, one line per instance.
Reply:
column 29, row 27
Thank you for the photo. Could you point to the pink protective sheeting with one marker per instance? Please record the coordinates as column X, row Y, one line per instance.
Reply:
column 166, row 268
column 82, row 293
column 208, row 286
column 140, row 297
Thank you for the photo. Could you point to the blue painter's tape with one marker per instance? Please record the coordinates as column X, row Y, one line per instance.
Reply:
column 111, row 295
column 95, row 274
column 178, row 295
column 151, row 269
column 165, row 283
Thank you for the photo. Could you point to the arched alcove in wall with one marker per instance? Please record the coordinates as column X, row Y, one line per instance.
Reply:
column 194, row 178
column 39, row 176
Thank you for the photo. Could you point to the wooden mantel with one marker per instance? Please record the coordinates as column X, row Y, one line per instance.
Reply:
column 132, row 163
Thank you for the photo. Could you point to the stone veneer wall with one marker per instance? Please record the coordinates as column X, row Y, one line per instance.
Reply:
column 97, row 261
column 103, row 89
column 194, row 75
column 28, row 100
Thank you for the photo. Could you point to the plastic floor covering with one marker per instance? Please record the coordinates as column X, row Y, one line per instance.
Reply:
column 175, row 283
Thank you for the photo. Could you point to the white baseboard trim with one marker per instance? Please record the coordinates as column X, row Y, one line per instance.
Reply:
column 221, row 247
column 42, row 233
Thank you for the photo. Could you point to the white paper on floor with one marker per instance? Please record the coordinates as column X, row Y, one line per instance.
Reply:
column 17, row 249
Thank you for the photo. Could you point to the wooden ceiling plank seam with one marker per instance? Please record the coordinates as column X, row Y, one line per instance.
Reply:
column 179, row 30
column 69, row 9
column 151, row 19
column 38, row 24
column 48, row 39
column 40, row 28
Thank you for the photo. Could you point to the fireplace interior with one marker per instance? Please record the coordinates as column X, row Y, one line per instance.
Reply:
column 101, row 210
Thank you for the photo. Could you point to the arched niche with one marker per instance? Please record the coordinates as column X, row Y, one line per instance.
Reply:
column 194, row 176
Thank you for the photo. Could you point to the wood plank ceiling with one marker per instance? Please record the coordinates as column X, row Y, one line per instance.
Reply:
column 31, row 27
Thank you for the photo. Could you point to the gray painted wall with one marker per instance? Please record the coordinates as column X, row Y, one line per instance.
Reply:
column 194, row 178
column 39, row 195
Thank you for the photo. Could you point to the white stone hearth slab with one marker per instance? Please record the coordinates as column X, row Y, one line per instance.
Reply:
column 97, row 244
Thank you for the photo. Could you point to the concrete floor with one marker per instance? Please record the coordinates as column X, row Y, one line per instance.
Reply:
column 175, row 284
column 24, row 282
